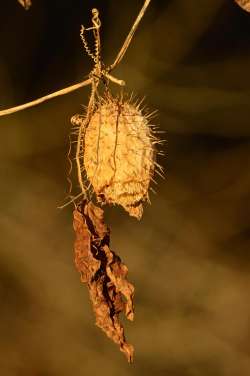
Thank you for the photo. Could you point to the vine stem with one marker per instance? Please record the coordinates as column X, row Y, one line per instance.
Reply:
column 69, row 89
column 81, row 130
column 127, row 41
column 66, row 90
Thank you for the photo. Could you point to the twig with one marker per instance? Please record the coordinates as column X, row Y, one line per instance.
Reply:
column 130, row 36
column 66, row 90
column 115, row 80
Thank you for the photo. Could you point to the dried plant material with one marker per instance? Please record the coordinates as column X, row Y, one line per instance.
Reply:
column 115, row 156
column 119, row 153
column 25, row 3
column 245, row 4
column 104, row 274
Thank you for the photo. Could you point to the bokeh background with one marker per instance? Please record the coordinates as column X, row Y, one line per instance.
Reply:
column 189, row 256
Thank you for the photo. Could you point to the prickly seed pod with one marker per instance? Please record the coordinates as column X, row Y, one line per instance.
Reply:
column 119, row 154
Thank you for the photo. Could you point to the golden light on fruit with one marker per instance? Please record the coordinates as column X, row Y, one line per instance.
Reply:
column 119, row 154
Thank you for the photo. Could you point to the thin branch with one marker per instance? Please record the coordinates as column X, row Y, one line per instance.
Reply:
column 66, row 90
column 130, row 36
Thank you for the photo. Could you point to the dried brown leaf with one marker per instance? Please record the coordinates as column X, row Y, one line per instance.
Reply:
column 104, row 273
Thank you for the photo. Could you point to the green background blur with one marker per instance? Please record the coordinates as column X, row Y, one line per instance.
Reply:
column 189, row 256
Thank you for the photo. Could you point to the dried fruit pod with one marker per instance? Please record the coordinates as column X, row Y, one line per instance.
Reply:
column 119, row 154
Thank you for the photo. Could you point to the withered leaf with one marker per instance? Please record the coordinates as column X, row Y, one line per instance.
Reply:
column 104, row 273
column 25, row 3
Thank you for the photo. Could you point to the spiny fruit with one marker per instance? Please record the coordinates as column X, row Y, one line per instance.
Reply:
column 119, row 153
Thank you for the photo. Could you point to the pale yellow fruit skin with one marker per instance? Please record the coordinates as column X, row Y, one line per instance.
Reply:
column 119, row 155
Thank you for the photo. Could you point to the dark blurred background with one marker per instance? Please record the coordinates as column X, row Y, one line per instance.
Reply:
column 189, row 256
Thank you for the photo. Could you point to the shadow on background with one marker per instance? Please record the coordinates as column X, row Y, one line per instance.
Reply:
column 189, row 256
